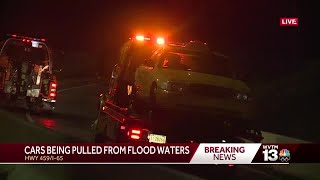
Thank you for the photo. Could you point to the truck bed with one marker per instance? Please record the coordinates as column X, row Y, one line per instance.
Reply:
column 205, row 127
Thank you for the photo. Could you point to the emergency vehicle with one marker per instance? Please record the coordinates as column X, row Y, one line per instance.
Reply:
column 26, row 73
column 173, row 92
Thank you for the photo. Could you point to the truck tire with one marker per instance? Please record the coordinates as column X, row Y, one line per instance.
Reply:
column 99, row 132
column 104, row 129
column 101, row 135
column 40, row 107
column 48, row 108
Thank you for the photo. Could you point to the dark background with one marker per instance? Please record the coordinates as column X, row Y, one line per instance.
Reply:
column 247, row 31
column 280, row 64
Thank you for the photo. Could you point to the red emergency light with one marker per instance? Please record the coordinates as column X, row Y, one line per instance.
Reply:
column 52, row 95
column 53, row 85
column 135, row 137
column 53, row 89
column 160, row 41
column 140, row 38
column 135, row 133
column 26, row 39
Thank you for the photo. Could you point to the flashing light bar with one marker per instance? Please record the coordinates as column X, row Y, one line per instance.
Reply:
column 26, row 39
column 159, row 40
column 140, row 38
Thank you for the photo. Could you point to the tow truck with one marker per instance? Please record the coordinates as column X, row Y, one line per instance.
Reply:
column 125, row 122
column 26, row 73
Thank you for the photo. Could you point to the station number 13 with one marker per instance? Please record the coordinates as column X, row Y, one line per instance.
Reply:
column 270, row 154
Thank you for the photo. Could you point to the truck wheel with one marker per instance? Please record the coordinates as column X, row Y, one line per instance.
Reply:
column 48, row 108
column 108, row 133
column 112, row 131
column 40, row 107
column 104, row 130
column 99, row 132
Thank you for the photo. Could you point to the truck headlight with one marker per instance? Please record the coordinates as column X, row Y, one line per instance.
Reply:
column 242, row 96
column 164, row 86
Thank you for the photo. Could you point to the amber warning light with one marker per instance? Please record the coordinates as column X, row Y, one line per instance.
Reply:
column 159, row 40
column 140, row 38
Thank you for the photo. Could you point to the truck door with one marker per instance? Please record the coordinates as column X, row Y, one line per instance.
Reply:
column 143, row 75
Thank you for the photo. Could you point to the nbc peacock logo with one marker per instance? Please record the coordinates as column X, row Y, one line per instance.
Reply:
column 284, row 155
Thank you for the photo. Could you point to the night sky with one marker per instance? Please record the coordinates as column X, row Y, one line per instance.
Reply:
column 248, row 31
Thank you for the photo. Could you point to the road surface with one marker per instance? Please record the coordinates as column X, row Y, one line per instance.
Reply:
column 76, row 109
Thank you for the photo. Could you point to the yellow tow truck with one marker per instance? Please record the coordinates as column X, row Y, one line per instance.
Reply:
column 173, row 92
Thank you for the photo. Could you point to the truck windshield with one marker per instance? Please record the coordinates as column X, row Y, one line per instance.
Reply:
column 207, row 63
column 138, row 54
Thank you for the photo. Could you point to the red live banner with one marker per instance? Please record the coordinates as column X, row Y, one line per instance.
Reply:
column 192, row 153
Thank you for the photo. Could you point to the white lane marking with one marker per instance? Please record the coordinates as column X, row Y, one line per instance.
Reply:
column 76, row 87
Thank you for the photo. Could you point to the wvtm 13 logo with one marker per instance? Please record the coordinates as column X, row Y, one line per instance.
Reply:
column 271, row 153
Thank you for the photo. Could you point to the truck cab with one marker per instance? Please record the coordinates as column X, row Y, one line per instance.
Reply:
column 26, row 72
column 132, row 55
